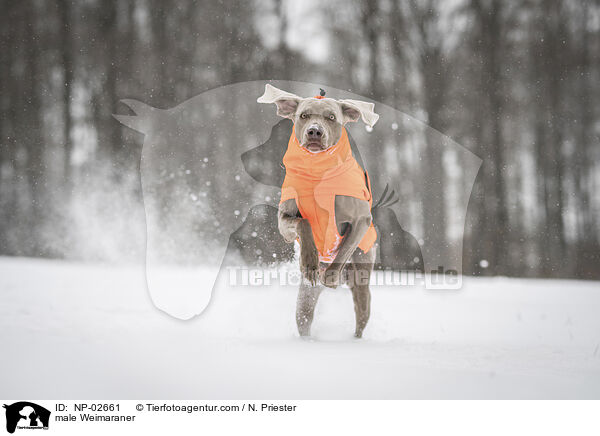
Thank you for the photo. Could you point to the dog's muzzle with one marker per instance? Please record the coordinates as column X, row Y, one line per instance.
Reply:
column 314, row 135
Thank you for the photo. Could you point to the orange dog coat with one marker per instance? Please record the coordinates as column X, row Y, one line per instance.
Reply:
column 314, row 179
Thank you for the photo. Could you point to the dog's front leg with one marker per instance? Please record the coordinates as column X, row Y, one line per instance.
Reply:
column 292, row 226
column 356, row 214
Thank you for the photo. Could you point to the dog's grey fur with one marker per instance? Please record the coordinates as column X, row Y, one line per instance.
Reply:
column 353, row 217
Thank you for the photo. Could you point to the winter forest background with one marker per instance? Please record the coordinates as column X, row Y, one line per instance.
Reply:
column 516, row 82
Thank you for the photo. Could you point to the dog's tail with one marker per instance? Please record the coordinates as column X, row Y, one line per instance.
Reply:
column 387, row 199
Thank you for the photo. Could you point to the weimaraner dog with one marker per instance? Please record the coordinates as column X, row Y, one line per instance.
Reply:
column 319, row 136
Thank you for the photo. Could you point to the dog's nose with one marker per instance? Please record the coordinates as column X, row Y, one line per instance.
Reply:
column 314, row 132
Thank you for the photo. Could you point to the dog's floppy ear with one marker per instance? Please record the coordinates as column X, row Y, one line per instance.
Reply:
column 286, row 102
column 353, row 109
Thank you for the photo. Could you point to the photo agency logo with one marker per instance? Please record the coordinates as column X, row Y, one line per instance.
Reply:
column 213, row 169
column 24, row 415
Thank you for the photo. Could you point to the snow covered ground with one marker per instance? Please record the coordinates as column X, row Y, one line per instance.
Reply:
column 74, row 330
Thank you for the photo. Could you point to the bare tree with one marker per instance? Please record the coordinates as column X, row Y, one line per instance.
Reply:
column 431, row 64
column 493, row 225
column 66, row 49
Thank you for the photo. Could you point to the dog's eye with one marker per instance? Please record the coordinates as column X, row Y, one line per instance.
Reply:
column 304, row 116
column 332, row 117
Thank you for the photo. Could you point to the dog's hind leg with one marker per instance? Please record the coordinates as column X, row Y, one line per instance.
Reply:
column 308, row 296
column 362, row 308
column 359, row 274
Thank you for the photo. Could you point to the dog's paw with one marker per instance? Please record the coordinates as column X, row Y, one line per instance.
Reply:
column 309, row 264
column 289, row 238
column 330, row 277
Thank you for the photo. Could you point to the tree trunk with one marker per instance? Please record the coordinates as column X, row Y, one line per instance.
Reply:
column 371, row 25
column 32, row 133
column 66, row 49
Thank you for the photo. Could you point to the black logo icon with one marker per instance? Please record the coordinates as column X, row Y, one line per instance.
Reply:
column 26, row 415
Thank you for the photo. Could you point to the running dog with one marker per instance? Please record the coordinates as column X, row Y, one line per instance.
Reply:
column 326, row 201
